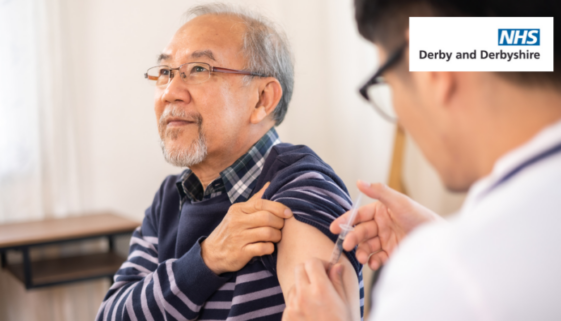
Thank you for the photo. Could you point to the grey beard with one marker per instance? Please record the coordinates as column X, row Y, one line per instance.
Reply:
column 186, row 157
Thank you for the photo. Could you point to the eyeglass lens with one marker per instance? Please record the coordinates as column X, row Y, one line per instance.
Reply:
column 380, row 96
column 191, row 73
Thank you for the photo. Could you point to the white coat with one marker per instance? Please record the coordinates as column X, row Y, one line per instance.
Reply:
column 498, row 259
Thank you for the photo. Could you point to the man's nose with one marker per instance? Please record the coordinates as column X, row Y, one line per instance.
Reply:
column 177, row 90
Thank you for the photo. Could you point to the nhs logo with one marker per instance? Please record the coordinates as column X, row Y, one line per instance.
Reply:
column 519, row 37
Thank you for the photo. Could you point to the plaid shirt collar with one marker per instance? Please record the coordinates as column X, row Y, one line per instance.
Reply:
column 238, row 180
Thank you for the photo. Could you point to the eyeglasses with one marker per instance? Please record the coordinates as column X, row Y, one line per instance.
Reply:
column 191, row 73
column 378, row 92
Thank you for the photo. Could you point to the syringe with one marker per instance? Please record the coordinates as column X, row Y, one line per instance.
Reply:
column 345, row 229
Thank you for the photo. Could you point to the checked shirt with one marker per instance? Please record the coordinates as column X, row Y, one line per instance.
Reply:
column 237, row 180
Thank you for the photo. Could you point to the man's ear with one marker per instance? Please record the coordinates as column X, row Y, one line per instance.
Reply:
column 270, row 93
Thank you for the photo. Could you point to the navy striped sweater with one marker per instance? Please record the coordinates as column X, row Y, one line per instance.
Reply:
column 165, row 277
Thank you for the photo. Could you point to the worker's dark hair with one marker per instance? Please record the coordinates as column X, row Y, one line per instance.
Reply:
column 384, row 22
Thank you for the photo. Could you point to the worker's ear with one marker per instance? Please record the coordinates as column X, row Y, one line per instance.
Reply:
column 445, row 85
column 436, row 90
column 270, row 93
column 440, row 85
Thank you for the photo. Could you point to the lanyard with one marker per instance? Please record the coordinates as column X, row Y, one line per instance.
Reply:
column 539, row 157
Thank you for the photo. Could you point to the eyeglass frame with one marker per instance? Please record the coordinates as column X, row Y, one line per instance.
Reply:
column 375, row 80
column 211, row 69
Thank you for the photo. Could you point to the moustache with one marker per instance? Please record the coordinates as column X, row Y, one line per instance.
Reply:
column 178, row 113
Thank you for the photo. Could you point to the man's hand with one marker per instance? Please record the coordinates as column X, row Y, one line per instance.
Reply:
column 380, row 226
column 317, row 296
column 249, row 229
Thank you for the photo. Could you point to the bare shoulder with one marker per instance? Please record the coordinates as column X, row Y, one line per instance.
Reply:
column 301, row 241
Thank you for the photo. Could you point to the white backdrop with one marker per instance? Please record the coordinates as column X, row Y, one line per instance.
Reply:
column 106, row 153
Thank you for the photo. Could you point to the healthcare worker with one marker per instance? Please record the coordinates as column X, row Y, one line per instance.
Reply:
column 496, row 135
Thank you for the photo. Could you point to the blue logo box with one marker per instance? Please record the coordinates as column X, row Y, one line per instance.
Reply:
column 519, row 37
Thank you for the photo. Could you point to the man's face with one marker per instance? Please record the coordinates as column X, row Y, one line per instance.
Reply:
column 434, row 127
column 206, row 120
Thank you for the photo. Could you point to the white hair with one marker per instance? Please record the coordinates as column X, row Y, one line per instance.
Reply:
column 265, row 46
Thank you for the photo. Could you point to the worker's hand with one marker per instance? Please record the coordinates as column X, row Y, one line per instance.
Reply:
column 249, row 229
column 317, row 296
column 380, row 226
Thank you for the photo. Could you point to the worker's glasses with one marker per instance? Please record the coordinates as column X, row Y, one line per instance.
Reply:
column 378, row 92
column 191, row 73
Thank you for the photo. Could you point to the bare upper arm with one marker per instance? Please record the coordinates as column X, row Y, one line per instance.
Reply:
column 301, row 241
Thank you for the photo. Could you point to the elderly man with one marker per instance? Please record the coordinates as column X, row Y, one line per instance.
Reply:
column 221, row 240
